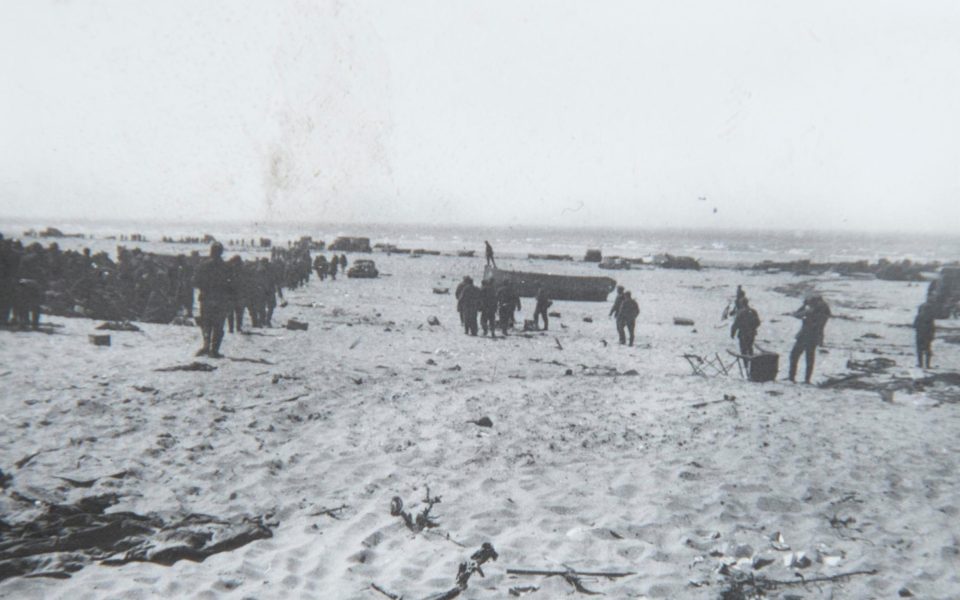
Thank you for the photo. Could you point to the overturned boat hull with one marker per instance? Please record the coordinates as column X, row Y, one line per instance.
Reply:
column 557, row 287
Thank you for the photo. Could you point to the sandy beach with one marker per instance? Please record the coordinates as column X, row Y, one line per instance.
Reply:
column 600, row 458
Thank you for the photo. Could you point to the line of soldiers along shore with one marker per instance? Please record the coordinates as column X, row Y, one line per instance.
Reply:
column 138, row 286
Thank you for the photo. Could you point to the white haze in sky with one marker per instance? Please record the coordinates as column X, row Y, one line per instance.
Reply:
column 633, row 114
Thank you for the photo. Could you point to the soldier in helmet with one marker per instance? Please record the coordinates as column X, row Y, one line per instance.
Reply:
column 212, row 278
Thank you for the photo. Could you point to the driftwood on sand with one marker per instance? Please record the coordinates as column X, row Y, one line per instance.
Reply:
column 572, row 577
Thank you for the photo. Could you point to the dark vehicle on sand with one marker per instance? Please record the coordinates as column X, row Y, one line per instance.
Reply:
column 363, row 269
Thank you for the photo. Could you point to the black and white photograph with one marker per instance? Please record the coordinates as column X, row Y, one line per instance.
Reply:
column 451, row 299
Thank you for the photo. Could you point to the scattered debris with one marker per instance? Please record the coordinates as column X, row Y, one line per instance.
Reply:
column 194, row 366
column 386, row 593
column 482, row 422
column 726, row 398
column 587, row 320
column 422, row 520
column 433, row 321
column 329, row 512
column 683, row 321
column 295, row 325
column 79, row 484
column 572, row 577
column 468, row 568
column 742, row 586
column 146, row 389
column 554, row 314
column 441, row 291
column 519, row 591
column 258, row 361
column 118, row 326
column 559, row 345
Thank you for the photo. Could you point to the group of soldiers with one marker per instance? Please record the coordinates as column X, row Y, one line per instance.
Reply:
column 141, row 286
column 813, row 314
column 496, row 306
column 137, row 286
column 228, row 289
column 325, row 268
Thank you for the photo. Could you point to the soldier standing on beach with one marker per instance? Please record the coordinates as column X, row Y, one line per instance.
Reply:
column 543, row 303
column 926, row 329
column 814, row 314
column 615, row 309
column 489, row 250
column 30, row 287
column 745, row 325
column 467, row 280
column 488, row 308
column 213, row 280
column 468, row 304
column 627, row 317
column 320, row 266
column 332, row 268
column 9, row 275
column 508, row 302
column 238, row 291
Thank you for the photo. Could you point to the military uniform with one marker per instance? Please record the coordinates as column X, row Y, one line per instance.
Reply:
column 216, row 298
column 468, row 306
column 543, row 303
column 926, row 329
column 815, row 314
column 488, row 308
column 627, row 318
column 745, row 326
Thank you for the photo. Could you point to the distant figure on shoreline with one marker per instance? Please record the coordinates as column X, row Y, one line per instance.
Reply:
column 489, row 250
column 814, row 312
column 543, row 303
column 627, row 318
column 213, row 280
column 746, row 321
column 926, row 330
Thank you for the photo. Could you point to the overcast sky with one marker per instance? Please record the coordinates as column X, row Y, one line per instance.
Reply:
column 671, row 113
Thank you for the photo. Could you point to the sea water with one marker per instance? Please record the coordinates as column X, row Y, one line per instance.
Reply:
column 711, row 247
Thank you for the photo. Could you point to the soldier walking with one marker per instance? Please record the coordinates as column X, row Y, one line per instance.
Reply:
column 213, row 280
column 745, row 325
column 627, row 318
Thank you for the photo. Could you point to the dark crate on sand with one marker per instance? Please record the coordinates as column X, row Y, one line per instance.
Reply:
column 100, row 340
column 764, row 366
column 296, row 325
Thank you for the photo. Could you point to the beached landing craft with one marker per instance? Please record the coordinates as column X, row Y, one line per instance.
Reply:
column 557, row 287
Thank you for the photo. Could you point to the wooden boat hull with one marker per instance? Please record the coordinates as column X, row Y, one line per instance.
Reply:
column 558, row 287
